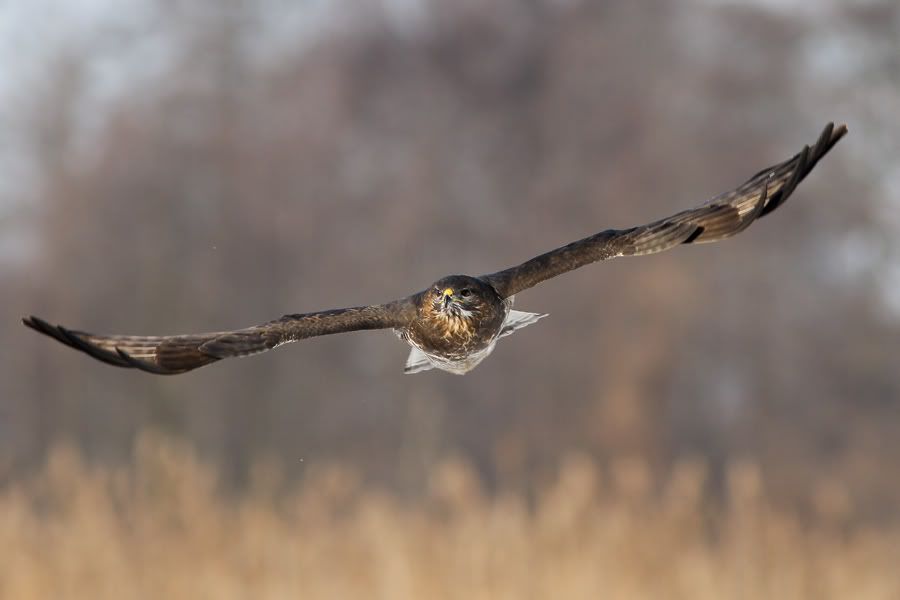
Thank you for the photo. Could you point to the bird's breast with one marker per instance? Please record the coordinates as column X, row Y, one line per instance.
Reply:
column 452, row 336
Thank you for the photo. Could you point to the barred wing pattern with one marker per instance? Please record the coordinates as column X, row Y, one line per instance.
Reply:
column 170, row 355
column 720, row 218
column 724, row 216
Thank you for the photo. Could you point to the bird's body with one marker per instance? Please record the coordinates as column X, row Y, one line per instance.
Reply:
column 455, row 323
column 458, row 320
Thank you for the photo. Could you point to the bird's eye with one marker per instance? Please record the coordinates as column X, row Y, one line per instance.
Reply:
column 465, row 292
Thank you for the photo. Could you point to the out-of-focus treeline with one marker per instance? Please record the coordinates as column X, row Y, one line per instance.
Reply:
column 396, row 142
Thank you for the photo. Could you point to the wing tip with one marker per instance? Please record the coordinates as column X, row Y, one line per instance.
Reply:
column 56, row 332
column 35, row 323
column 109, row 353
column 806, row 159
column 831, row 135
column 839, row 130
column 73, row 340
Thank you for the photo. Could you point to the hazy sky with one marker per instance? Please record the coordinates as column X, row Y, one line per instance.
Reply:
column 120, row 34
column 126, row 41
column 34, row 34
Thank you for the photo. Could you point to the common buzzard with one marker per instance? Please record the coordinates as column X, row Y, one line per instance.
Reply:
column 456, row 322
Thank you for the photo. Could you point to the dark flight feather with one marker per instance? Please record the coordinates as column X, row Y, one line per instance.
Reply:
column 451, row 341
column 170, row 355
column 722, row 217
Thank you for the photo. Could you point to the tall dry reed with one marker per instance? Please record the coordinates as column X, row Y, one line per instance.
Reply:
column 161, row 529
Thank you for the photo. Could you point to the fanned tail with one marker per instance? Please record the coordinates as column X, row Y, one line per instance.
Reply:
column 517, row 319
column 417, row 362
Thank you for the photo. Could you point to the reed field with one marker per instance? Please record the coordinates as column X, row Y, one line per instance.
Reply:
column 160, row 527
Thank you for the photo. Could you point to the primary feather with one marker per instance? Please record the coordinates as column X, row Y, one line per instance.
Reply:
column 722, row 217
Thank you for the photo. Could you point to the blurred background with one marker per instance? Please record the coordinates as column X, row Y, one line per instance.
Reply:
column 174, row 167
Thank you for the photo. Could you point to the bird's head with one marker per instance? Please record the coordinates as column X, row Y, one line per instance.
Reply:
column 459, row 296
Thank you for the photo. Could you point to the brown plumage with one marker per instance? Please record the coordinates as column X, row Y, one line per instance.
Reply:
column 170, row 355
column 455, row 323
column 724, row 216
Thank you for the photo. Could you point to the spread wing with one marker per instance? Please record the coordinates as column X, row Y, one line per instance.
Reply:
column 724, row 216
column 170, row 355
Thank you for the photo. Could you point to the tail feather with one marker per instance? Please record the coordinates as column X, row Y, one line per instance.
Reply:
column 517, row 319
column 417, row 362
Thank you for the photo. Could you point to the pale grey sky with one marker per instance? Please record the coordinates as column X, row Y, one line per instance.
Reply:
column 127, row 41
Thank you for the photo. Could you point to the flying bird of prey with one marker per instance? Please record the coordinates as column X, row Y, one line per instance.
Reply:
column 456, row 322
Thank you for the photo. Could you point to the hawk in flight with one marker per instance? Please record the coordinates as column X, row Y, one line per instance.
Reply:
column 456, row 322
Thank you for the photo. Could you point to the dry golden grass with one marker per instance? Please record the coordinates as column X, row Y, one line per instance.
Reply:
column 161, row 530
